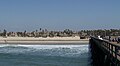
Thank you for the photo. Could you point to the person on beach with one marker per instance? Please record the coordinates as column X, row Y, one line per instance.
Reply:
column 5, row 41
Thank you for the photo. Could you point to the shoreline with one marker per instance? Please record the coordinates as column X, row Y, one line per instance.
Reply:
column 43, row 41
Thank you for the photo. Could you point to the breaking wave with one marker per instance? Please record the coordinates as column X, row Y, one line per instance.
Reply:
column 46, row 50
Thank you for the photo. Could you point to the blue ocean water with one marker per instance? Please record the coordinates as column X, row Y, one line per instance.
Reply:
column 44, row 55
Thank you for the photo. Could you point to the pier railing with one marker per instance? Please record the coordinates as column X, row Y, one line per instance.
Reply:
column 112, row 50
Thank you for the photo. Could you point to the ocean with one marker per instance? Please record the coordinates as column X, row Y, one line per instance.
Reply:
column 44, row 55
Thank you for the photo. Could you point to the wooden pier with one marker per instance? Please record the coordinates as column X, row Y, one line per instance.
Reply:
column 104, row 53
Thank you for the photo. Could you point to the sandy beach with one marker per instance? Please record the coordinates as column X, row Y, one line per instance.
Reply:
column 41, row 40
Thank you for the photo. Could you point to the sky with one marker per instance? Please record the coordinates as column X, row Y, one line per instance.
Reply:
column 20, row 15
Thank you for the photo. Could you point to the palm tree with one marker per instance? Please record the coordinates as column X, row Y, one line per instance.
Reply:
column 4, row 33
column 40, row 29
column 36, row 33
column 24, row 33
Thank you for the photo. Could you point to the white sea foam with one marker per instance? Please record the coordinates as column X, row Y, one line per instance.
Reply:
column 45, row 46
column 51, row 50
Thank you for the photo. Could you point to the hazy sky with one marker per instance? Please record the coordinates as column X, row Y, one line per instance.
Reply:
column 18, row 15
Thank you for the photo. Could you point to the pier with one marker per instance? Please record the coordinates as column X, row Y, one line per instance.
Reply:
column 104, row 53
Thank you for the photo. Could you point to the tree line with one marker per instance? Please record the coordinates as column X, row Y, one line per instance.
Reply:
column 64, row 33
